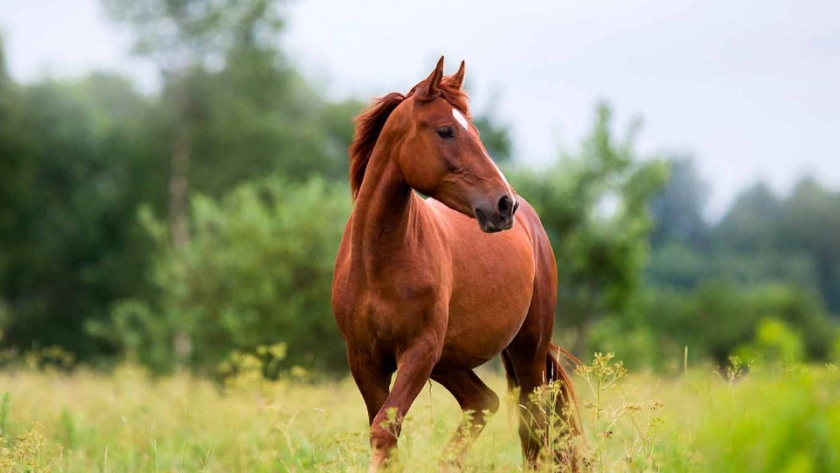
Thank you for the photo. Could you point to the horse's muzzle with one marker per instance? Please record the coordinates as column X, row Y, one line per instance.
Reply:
column 498, row 219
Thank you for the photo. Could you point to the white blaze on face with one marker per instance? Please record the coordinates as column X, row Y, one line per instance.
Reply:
column 460, row 118
column 498, row 170
column 510, row 191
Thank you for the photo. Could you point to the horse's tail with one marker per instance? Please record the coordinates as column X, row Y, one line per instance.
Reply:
column 567, row 404
column 566, row 409
column 509, row 374
column 512, row 384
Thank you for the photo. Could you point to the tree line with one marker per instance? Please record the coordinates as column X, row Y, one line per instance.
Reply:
column 182, row 227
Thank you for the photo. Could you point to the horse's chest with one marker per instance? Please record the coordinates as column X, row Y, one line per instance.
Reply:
column 390, row 308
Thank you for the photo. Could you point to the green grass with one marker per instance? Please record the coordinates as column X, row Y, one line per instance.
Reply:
column 771, row 420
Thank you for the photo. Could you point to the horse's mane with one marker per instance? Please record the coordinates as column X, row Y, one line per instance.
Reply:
column 370, row 122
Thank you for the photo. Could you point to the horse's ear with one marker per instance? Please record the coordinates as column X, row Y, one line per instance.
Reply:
column 458, row 77
column 432, row 83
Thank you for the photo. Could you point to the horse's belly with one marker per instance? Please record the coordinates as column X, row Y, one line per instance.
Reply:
column 476, row 340
column 488, row 308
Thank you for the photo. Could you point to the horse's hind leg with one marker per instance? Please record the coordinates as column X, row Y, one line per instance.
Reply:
column 528, row 365
column 526, row 361
column 476, row 400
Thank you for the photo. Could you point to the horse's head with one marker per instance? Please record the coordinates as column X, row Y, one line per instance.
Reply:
column 441, row 155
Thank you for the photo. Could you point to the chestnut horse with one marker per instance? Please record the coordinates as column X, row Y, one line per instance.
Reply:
column 422, row 290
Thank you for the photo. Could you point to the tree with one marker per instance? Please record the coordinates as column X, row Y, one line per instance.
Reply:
column 594, row 206
column 184, row 38
column 257, row 272
column 258, row 117
column 68, row 243
column 752, row 221
column 678, row 208
column 811, row 223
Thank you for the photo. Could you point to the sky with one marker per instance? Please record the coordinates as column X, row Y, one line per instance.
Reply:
column 749, row 89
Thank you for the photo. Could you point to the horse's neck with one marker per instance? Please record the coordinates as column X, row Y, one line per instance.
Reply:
column 383, row 213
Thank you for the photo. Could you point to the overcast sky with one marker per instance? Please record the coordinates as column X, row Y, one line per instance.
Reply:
column 751, row 89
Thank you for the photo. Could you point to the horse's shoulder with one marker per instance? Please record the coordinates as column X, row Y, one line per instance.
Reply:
column 443, row 215
column 435, row 206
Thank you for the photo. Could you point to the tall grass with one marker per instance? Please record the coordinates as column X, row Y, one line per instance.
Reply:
column 773, row 419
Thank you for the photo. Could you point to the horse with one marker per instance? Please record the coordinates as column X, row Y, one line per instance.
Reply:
column 419, row 289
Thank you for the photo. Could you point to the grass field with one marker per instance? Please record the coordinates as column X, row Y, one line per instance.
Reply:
column 771, row 420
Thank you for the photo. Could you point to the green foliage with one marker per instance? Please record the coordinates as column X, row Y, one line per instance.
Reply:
column 257, row 272
column 756, row 282
column 68, row 186
column 761, row 238
column 640, row 346
column 678, row 208
column 247, row 112
column 594, row 208
column 245, row 369
column 774, row 424
column 774, row 341
column 751, row 219
column 4, row 413
column 641, row 272
column 719, row 317
column 681, row 266
column 242, row 131
column 81, row 157
column 835, row 350
column 810, row 224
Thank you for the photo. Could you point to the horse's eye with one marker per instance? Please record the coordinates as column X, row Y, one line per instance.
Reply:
column 446, row 132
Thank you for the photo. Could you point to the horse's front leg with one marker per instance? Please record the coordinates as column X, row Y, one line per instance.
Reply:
column 414, row 366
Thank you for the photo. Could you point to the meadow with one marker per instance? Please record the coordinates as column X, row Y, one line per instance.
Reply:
column 168, row 233
column 757, row 419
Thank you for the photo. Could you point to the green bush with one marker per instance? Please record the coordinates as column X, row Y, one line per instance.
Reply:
column 794, row 428
column 774, row 321
column 257, row 272
column 637, row 347
column 774, row 341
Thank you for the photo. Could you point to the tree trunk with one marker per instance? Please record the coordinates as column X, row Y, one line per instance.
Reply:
column 179, row 184
column 179, row 198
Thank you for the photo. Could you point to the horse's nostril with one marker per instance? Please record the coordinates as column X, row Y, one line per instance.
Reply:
column 505, row 205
